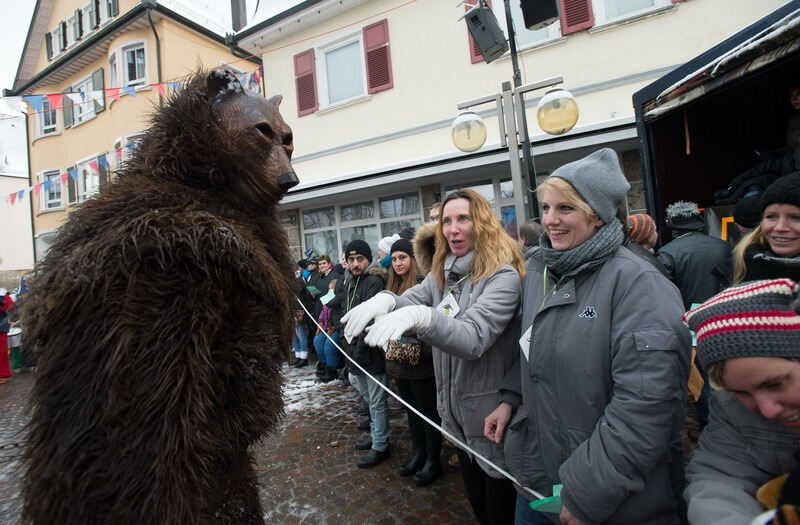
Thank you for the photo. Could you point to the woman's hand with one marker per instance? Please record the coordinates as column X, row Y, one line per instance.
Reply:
column 360, row 316
column 567, row 518
column 495, row 423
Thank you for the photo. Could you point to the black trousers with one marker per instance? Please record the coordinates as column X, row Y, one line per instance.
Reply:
column 421, row 394
column 493, row 500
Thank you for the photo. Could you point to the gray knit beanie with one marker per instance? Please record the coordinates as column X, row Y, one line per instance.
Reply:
column 755, row 319
column 599, row 180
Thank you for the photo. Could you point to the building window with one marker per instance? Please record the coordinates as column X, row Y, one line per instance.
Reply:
column 319, row 231
column 608, row 11
column 133, row 65
column 399, row 212
column 56, row 42
column 51, row 190
column 48, row 122
column 344, row 69
column 89, row 18
column 85, row 110
column 112, row 70
column 341, row 71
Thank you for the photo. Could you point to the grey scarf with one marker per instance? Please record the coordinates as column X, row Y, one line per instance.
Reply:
column 603, row 243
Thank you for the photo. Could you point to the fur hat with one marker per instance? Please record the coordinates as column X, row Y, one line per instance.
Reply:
column 755, row 319
column 785, row 190
column 684, row 215
column 599, row 180
column 358, row 247
column 640, row 227
column 402, row 245
column 385, row 244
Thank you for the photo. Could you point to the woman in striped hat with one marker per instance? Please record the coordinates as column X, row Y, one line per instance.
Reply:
column 748, row 339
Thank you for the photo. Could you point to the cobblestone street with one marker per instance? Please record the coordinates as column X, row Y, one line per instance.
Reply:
column 307, row 469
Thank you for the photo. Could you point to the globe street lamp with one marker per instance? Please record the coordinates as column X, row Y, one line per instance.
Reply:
column 556, row 113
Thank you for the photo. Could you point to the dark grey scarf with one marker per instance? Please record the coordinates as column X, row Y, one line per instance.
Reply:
column 597, row 247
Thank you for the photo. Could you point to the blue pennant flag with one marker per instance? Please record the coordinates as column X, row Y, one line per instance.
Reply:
column 46, row 185
column 35, row 101
column 174, row 85
column 102, row 161
column 129, row 90
column 74, row 174
column 20, row 194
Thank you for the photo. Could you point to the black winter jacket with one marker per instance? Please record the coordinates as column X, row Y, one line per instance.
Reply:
column 700, row 265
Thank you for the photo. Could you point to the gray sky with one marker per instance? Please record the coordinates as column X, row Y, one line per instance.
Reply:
column 14, row 27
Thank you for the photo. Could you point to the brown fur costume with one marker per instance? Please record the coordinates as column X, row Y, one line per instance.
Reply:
column 160, row 321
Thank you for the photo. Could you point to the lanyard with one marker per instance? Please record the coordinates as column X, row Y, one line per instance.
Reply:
column 351, row 298
column 544, row 287
column 455, row 285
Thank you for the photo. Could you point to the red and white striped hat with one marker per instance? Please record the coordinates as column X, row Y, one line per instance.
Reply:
column 754, row 319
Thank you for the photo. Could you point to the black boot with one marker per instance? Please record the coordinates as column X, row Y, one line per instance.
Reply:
column 429, row 473
column 414, row 464
column 364, row 444
column 364, row 425
column 372, row 458
column 329, row 375
column 320, row 369
column 301, row 363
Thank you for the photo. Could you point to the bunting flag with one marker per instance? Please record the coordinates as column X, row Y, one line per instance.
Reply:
column 103, row 162
column 114, row 93
column 76, row 98
column 35, row 101
column 129, row 90
column 20, row 194
column 12, row 198
column 74, row 174
column 46, row 185
column 174, row 85
column 64, row 177
column 159, row 88
column 93, row 166
column 119, row 153
column 55, row 99
column 37, row 188
column 97, row 96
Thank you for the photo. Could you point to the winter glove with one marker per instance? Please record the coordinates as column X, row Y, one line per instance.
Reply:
column 360, row 316
column 414, row 318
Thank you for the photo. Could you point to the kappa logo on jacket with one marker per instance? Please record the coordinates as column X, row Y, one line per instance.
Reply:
column 588, row 313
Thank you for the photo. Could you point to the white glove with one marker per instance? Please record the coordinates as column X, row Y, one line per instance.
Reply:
column 360, row 316
column 391, row 326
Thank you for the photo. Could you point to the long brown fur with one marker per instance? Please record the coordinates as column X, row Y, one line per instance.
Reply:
column 159, row 321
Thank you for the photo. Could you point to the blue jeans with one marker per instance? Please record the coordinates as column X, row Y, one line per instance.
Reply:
column 326, row 352
column 378, row 401
column 300, row 341
column 525, row 515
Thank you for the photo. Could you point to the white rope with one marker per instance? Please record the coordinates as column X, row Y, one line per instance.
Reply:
column 417, row 412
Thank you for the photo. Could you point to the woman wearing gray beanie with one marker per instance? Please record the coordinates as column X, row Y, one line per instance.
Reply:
column 772, row 249
column 596, row 399
column 748, row 338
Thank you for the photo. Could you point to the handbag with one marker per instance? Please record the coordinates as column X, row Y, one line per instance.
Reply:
column 406, row 350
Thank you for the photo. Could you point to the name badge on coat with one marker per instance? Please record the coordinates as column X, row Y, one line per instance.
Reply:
column 449, row 306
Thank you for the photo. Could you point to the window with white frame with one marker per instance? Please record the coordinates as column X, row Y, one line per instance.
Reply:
column 500, row 194
column 72, row 31
column 51, row 190
column 56, row 40
column 89, row 20
column 133, row 65
column 609, row 11
column 112, row 70
column 85, row 110
column 329, row 229
column 525, row 37
column 48, row 118
column 88, row 179
column 341, row 72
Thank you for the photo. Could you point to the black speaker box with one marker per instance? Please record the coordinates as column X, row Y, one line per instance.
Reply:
column 486, row 31
column 539, row 13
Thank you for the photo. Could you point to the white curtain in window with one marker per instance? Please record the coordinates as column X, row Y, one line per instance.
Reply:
column 615, row 8
column 343, row 66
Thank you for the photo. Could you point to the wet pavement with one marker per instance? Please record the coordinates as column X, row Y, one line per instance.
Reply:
column 307, row 468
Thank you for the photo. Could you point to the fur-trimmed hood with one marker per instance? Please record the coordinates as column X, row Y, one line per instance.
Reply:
column 424, row 242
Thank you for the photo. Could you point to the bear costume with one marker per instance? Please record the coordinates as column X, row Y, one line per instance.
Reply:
column 160, row 321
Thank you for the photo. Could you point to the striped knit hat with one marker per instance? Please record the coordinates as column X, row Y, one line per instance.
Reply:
column 755, row 319
column 640, row 226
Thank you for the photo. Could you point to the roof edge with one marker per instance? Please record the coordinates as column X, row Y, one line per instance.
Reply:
column 275, row 19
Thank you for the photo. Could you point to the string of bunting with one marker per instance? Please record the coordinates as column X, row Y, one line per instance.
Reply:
column 250, row 80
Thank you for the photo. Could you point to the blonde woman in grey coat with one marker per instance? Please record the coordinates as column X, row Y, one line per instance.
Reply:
column 464, row 309
column 596, row 400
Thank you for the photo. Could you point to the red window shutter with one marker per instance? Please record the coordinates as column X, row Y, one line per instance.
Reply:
column 377, row 56
column 576, row 15
column 305, row 83
column 475, row 51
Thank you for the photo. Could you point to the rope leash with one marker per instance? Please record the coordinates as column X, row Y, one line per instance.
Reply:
column 420, row 414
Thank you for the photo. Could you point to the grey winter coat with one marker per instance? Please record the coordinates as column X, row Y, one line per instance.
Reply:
column 739, row 451
column 471, row 352
column 603, row 390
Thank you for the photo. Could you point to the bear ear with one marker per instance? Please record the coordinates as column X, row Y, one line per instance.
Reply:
column 276, row 100
column 222, row 83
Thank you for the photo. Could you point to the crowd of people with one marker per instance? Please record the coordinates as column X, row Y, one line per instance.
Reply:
column 564, row 359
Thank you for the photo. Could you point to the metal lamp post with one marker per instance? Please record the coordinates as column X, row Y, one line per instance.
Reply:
column 557, row 113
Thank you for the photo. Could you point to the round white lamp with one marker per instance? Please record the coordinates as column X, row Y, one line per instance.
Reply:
column 557, row 111
column 468, row 131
